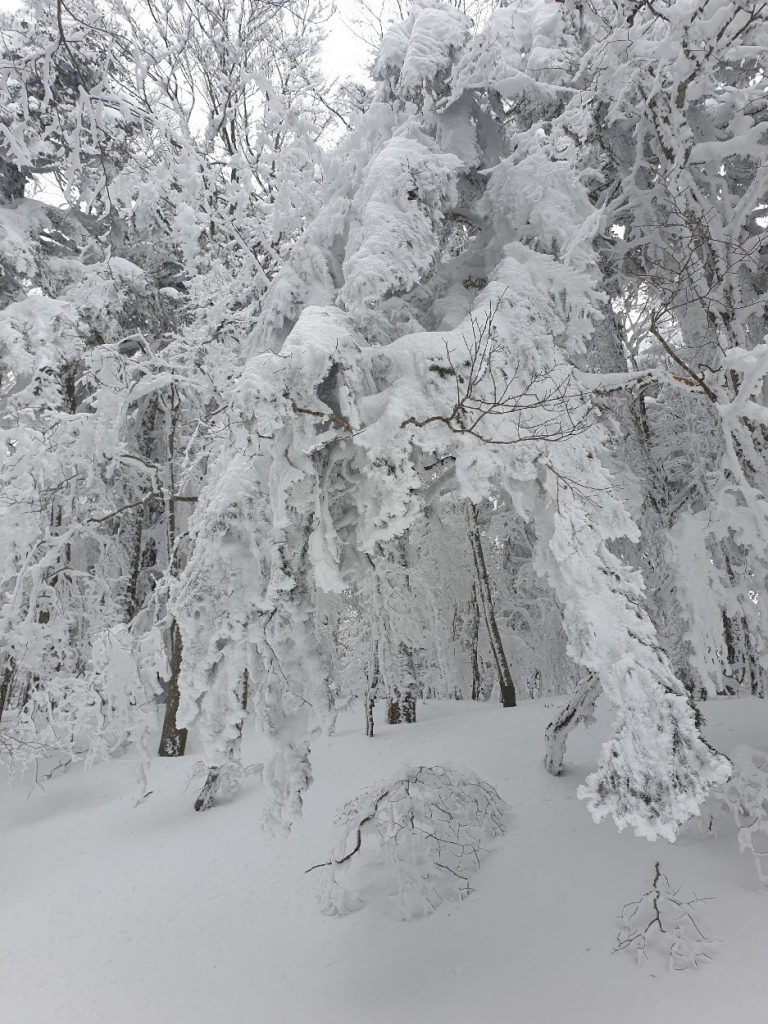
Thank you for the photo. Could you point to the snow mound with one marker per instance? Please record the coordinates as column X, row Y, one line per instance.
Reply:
column 430, row 827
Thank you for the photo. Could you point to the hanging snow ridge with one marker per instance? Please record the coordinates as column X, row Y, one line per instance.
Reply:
column 394, row 234
column 420, row 51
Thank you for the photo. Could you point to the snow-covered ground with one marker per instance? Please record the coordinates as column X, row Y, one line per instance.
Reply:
column 112, row 913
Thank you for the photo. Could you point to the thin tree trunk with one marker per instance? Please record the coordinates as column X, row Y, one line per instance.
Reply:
column 5, row 685
column 173, row 740
column 506, row 684
column 409, row 707
column 474, row 641
column 135, row 519
column 402, row 698
column 210, row 790
column 372, row 687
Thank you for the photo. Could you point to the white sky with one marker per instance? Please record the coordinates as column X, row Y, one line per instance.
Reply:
column 345, row 55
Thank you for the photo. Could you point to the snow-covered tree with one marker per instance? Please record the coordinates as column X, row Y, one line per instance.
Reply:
column 425, row 341
column 676, row 128
column 128, row 229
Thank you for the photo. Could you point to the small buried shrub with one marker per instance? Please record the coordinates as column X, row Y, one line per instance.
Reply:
column 414, row 841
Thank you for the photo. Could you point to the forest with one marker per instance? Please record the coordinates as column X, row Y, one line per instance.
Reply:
column 363, row 439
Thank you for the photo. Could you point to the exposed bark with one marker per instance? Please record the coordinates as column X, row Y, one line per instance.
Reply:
column 5, row 684
column 372, row 687
column 135, row 519
column 474, row 642
column 402, row 699
column 579, row 708
column 207, row 795
column 401, row 708
column 173, row 740
column 506, row 684
column 394, row 713
column 409, row 707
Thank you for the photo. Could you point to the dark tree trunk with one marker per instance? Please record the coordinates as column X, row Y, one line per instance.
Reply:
column 370, row 692
column 409, row 707
column 5, row 685
column 207, row 795
column 173, row 741
column 135, row 519
column 579, row 708
column 474, row 643
column 402, row 700
column 394, row 713
column 506, row 685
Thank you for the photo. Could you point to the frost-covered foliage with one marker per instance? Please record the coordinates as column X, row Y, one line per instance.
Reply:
column 456, row 388
column 415, row 841
column 425, row 347
column 677, row 132
column 136, row 236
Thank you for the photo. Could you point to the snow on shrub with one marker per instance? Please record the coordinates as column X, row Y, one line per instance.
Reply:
column 415, row 841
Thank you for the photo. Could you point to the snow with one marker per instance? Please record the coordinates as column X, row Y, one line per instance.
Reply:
column 422, row 47
column 118, row 913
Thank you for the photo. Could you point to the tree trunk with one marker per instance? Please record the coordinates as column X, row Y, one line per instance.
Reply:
column 409, row 707
column 402, row 699
column 173, row 741
column 369, row 702
column 370, row 691
column 5, row 685
column 135, row 519
column 394, row 713
column 474, row 642
column 579, row 708
column 216, row 775
column 506, row 685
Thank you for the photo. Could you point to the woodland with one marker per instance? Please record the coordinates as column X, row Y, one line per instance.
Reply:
column 339, row 415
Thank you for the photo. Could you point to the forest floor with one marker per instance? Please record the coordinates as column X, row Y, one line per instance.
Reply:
column 112, row 913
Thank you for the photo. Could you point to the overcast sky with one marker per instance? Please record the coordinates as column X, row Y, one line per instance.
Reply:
column 345, row 55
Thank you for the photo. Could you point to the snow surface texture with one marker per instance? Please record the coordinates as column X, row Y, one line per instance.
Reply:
column 114, row 914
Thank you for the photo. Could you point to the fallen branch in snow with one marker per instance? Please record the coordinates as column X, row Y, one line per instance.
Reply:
column 661, row 918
